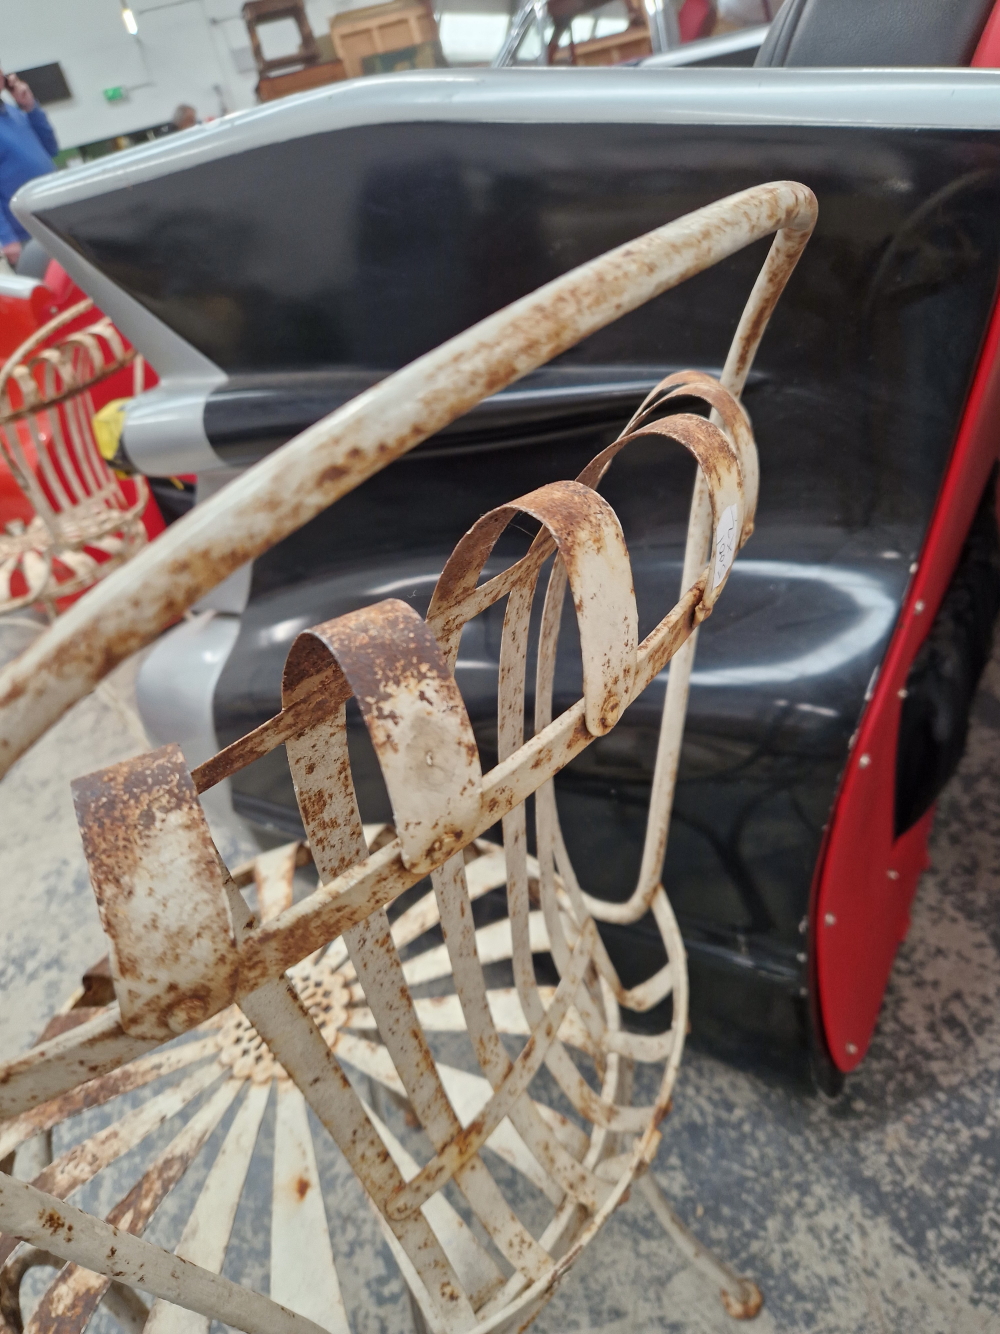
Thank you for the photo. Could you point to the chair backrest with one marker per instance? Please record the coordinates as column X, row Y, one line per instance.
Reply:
column 84, row 525
column 843, row 33
column 166, row 897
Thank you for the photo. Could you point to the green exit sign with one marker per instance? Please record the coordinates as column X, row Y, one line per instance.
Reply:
column 115, row 94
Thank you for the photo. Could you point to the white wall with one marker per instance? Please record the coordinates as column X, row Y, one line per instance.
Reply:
column 186, row 51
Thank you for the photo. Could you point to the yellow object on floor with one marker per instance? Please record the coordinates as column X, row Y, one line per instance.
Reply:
column 109, row 422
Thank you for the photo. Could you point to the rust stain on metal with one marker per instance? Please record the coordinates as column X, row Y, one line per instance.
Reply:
column 742, row 1308
column 173, row 951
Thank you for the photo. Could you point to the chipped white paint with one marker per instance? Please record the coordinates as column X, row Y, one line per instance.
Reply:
column 725, row 545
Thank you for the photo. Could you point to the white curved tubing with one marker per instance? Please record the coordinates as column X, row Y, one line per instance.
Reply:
column 287, row 488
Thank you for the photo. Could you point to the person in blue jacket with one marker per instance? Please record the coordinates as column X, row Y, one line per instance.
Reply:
column 27, row 146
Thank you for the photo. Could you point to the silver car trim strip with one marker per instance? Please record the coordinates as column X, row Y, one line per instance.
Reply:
column 893, row 98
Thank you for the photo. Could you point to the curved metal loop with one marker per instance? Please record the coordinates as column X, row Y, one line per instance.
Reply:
column 558, row 883
column 147, row 842
column 725, row 453
column 71, row 365
column 720, row 467
column 41, row 336
column 415, row 716
column 732, row 416
column 585, row 530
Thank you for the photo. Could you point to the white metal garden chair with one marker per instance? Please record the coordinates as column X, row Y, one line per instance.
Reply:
column 329, row 998
column 83, row 525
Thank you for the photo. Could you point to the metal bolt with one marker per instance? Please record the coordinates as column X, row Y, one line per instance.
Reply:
column 851, row 1049
column 801, row 958
column 902, row 693
column 864, row 761
column 829, row 919
column 918, row 607
column 184, row 1015
column 893, row 875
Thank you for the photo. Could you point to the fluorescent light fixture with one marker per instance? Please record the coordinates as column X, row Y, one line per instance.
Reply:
column 128, row 18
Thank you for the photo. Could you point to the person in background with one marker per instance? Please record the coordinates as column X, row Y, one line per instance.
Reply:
column 27, row 147
column 185, row 117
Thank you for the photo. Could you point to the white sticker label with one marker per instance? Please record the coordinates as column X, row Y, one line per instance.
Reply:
column 725, row 545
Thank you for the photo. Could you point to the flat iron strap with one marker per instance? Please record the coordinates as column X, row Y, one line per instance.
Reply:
column 160, row 888
column 732, row 415
column 585, row 530
column 415, row 716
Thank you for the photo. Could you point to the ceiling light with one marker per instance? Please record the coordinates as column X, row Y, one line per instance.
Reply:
column 128, row 18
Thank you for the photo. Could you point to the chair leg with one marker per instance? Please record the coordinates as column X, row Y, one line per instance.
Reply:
column 740, row 1296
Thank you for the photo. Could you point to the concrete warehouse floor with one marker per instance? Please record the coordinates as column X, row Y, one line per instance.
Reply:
column 878, row 1213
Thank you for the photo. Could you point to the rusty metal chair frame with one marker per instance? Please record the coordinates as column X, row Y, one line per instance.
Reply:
column 46, row 394
column 185, row 948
